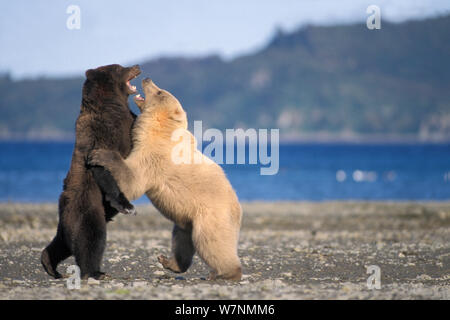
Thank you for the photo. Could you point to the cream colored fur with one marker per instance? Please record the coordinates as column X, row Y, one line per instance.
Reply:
column 197, row 197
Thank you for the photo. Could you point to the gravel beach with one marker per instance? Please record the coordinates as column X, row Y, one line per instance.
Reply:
column 298, row 250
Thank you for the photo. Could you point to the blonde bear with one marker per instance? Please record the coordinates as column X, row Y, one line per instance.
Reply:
column 183, row 184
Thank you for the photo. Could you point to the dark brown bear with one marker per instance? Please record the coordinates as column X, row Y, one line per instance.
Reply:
column 90, row 196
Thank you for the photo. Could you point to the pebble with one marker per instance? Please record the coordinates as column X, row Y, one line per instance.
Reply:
column 118, row 285
column 138, row 284
column 4, row 236
column 92, row 281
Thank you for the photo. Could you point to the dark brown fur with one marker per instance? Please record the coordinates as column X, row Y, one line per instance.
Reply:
column 86, row 203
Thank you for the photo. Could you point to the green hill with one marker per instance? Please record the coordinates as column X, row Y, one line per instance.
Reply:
column 336, row 81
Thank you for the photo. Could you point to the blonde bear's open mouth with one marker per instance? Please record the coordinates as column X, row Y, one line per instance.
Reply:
column 138, row 97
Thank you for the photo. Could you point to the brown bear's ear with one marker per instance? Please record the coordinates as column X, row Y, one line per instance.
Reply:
column 89, row 73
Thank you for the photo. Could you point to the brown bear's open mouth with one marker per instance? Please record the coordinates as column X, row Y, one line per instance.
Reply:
column 135, row 71
column 132, row 88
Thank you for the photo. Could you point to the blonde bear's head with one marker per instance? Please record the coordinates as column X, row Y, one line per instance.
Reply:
column 161, row 105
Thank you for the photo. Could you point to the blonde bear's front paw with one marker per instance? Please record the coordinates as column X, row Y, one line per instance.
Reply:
column 100, row 157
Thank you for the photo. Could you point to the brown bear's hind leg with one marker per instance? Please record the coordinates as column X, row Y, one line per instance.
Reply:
column 53, row 254
column 89, row 245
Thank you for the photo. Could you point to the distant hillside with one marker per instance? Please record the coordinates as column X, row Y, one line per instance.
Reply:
column 339, row 81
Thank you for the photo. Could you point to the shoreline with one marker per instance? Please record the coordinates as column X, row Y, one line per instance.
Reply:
column 285, row 139
column 269, row 202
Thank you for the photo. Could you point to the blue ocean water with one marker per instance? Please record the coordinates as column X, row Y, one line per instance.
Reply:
column 33, row 172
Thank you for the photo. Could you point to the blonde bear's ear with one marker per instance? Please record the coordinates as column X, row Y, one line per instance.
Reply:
column 178, row 115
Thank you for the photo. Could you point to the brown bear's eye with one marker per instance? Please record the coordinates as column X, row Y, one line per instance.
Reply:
column 159, row 92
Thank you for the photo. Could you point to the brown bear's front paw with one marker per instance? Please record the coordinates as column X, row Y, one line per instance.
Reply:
column 121, row 204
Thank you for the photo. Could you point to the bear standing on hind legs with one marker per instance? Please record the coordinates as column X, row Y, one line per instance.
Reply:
column 90, row 196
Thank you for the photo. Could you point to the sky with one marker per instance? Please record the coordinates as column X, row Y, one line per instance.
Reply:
column 35, row 40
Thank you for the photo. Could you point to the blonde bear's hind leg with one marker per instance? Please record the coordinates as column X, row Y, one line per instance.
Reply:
column 216, row 243
column 182, row 251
